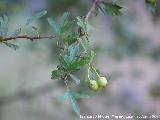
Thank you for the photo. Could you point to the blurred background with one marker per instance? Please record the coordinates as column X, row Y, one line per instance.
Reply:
column 128, row 53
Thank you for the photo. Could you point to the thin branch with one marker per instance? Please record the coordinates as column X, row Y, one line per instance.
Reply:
column 27, row 37
column 91, row 9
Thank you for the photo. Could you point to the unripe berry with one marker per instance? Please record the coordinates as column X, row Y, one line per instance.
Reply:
column 102, row 82
column 93, row 85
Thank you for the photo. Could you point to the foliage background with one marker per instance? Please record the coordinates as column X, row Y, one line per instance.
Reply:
column 128, row 53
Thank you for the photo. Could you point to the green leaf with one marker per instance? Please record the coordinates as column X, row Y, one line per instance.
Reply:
column 75, row 79
column 56, row 74
column 76, row 65
column 13, row 46
column 64, row 22
column 3, row 25
column 63, row 18
column 70, row 39
column 36, row 16
column 54, row 26
column 112, row 9
column 74, row 105
column 63, row 63
column 79, row 95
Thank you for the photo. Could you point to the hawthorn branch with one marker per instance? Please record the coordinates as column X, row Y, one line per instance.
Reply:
column 26, row 37
column 26, row 94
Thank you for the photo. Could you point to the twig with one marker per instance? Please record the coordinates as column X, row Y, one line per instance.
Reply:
column 91, row 9
column 27, row 37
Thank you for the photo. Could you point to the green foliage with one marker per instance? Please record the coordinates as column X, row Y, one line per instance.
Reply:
column 76, row 53
column 112, row 9
column 63, row 25
column 151, row 5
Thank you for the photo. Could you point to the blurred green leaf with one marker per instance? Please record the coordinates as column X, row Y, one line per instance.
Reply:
column 112, row 9
column 54, row 26
column 36, row 16
column 151, row 5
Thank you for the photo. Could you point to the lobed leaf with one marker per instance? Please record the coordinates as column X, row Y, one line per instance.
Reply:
column 56, row 74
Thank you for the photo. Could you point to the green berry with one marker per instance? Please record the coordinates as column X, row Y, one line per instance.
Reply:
column 102, row 82
column 93, row 85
